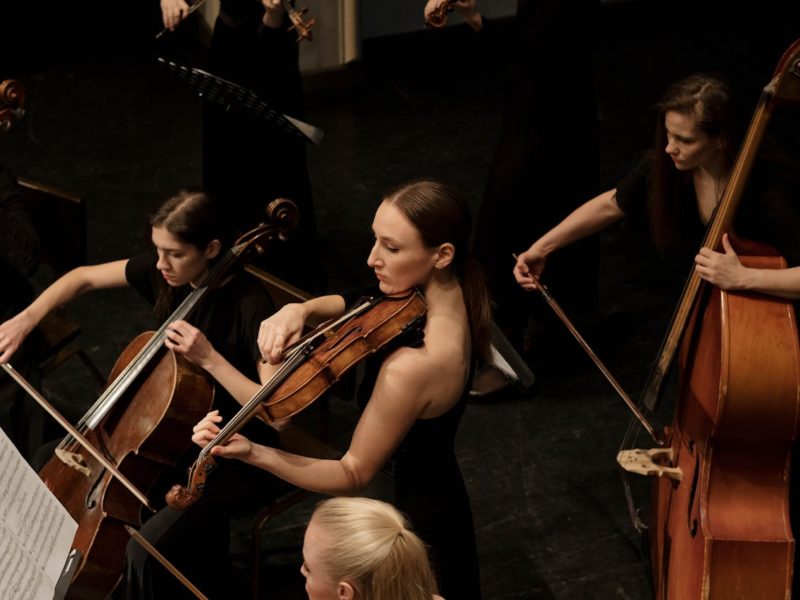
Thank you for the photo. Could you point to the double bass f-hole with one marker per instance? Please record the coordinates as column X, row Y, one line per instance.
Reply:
column 691, row 519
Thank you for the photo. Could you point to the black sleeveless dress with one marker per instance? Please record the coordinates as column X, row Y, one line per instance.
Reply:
column 430, row 491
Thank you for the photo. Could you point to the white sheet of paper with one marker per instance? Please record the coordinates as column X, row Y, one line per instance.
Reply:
column 36, row 531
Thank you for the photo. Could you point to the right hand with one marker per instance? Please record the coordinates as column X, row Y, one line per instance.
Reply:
column 279, row 331
column 173, row 12
column 12, row 333
column 466, row 8
column 530, row 264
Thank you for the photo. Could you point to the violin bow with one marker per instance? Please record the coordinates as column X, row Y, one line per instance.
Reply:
column 25, row 385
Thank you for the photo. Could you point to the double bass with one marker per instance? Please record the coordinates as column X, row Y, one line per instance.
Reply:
column 720, row 519
column 141, row 424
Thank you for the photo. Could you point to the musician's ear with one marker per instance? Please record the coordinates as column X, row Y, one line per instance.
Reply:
column 345, row 591
column 213, row 249
column 444, row 255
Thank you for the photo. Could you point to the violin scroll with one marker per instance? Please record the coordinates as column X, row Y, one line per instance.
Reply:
column 180, row 497
column 12, row 103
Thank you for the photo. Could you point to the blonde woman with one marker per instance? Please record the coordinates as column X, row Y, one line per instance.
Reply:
column 358, row 548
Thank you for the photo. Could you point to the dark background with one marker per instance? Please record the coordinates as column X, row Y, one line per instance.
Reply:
column 103, row 122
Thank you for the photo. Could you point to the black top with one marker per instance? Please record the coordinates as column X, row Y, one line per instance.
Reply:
column 769, row 211
column 229, row 316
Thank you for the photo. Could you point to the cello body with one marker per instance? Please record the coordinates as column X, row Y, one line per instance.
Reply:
column 724, row 531
column 143, row 435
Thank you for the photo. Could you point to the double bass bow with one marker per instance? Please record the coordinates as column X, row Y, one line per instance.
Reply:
column 310, row 367
column 141, row 424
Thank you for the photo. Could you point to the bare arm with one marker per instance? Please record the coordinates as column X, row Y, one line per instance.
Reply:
column 286, row 326
column 589, row 218
column 396, row 402
column 71, row 285
column 726, row 272
column 187, row 340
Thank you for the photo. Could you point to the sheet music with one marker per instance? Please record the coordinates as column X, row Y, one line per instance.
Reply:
column 36, row 531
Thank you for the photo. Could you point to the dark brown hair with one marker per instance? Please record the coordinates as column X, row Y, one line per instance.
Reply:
column 709, row 100
column 193, row 218
column 442, row 216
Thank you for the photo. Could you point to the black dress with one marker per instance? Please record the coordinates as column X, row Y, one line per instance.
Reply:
column 197, row 540
column 248, row 162
column 545, row 164
column 430, row 490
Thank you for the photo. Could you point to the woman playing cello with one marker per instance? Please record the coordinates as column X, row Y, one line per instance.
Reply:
column 188, row 238
column 412, row 397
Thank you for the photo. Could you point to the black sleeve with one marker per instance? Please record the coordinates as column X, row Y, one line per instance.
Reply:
column 142, row 275
column 254, row 306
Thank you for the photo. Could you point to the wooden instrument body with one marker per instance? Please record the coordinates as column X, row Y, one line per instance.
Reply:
column 143, row 434
column 353, row 342
column 724, row 530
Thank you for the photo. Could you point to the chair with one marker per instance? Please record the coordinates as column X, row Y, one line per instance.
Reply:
column 292, row 439
column 60, row 221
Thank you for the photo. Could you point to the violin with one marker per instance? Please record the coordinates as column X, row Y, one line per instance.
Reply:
column 12, row 103
column 311, row 366
column 141, row 424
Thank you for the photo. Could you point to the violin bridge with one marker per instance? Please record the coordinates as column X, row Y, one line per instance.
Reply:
column 643, row 462
column 74, row 461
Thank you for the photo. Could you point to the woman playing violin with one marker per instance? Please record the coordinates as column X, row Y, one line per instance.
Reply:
column 187, row 237
column 673, row 192
column 413, row 397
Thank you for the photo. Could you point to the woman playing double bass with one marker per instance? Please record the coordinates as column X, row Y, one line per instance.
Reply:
column 413, row 396
column 673, row 191
column 188, row 237
column 730, row 442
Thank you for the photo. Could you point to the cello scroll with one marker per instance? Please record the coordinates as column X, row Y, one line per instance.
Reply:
column 12, row 103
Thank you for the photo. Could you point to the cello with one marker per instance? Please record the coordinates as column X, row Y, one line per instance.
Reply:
column 141, row 424
column 720, row 520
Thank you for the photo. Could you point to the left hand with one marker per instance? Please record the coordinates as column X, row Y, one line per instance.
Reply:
column 189, row 342
column 207, row 429
column 723, row 270
column 273, row 13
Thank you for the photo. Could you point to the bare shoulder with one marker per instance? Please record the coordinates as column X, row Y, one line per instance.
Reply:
column 426, row 364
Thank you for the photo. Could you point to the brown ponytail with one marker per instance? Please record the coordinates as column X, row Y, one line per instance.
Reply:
column 442, row 216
